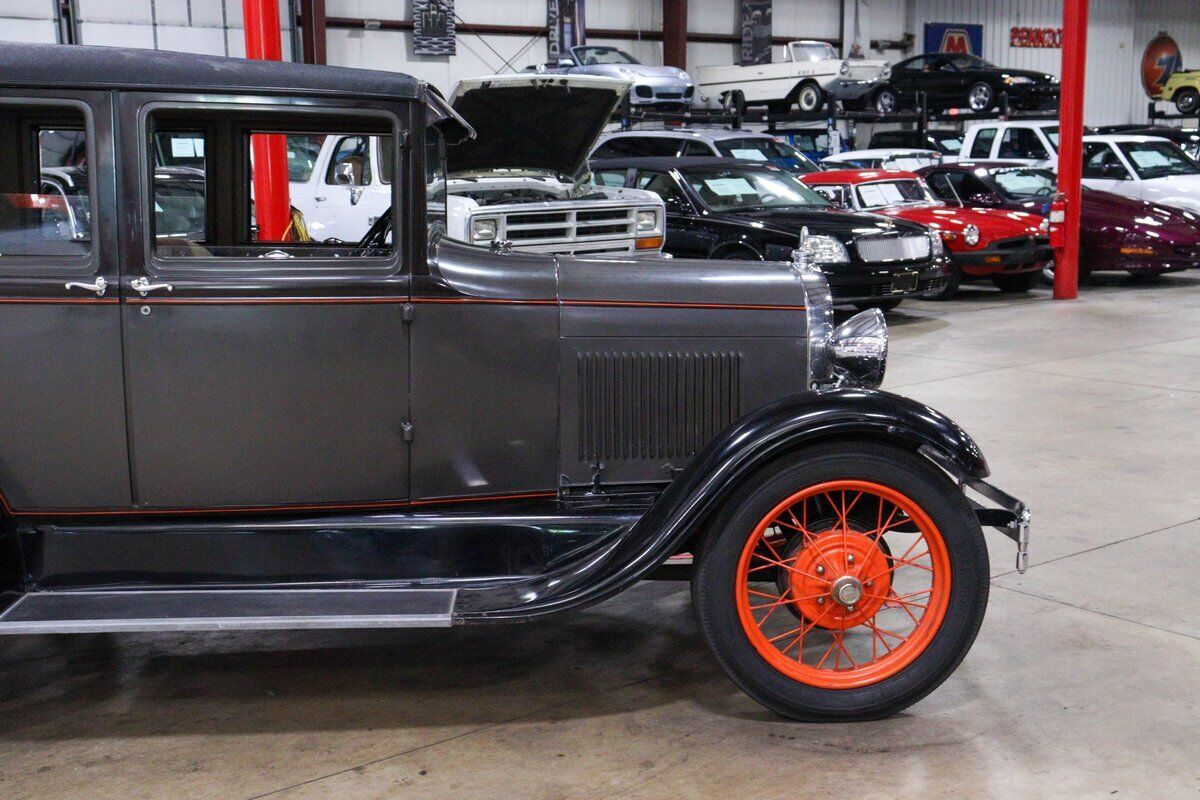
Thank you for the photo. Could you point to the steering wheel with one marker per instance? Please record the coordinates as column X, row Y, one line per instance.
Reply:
column 1042, row 192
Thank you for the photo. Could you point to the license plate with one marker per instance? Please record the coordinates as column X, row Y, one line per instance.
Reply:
column 904, row 282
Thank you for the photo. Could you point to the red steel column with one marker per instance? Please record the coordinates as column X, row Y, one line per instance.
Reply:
column 1070, row 147
column 675, row 24
column 272, row 205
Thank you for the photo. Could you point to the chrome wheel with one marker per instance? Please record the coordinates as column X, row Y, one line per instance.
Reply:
column 1048, row 271
column 809, row 98
column 885, row 102
column 980, row 97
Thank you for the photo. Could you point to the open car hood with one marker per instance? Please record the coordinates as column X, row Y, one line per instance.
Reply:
column 532, row 122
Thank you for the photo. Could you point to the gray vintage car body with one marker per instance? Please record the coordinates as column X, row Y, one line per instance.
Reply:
column 447, row 435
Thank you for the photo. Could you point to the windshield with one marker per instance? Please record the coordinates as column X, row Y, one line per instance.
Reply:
column 748, row 188
column 812, row 51
column 1024, row 184
column 1158, row 159
column 603, row 55
column 776, row 152
column 964, row 61
column 893, row 193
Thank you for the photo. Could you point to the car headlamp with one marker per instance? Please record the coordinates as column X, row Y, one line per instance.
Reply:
column 647, row 220
column 971, row 235
column 887, row 71
column 935, row 244
column 1017, row 80
column 483, row 230
column 825, row 250
column 845, row 70
column 683, row 76
column 858, row 350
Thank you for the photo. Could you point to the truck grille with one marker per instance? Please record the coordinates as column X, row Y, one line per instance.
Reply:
column 873, row 249
column 590, row 230
column 654, row 405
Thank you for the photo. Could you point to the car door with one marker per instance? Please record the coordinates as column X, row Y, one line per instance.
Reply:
column 62, row 408
column 345, row 186
column 263, row 373
column 1103, row 169
column 687, row 235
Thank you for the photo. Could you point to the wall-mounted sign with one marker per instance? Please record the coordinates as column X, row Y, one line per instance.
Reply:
column 953, row 37
column 433, row 27
column 1162, row 57
column 1035, row 37
column 566, row 26
column 756, row 32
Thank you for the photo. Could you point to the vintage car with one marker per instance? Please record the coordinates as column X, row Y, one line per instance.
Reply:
column 1116, row 233
column 538, row 197
column 961, row 80
column 810, row 75
column 658, row 87
column 1008, row 247
column 1143, row 168
column 729, row 209
column 243, row 432
column 720, row 142
column 1182, row 87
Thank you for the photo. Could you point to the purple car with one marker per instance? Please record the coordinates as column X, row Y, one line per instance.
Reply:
column 1117, row 233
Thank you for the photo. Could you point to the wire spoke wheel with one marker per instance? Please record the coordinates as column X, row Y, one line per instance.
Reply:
column 864, row 574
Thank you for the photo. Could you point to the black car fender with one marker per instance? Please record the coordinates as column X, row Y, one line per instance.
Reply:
column 694, row 496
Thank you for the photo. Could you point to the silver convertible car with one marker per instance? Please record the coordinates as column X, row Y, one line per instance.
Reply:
column 652, row 86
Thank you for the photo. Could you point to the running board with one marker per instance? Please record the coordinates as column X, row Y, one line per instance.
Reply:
column 227, row 610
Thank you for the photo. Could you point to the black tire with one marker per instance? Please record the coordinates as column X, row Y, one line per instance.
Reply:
column 734, row 102
column 1021, row 282
column 886, row 101
column 1187, row 101
column 810, row 97
column 882, row 305
column 715, row 581
column 949, row 289
column 981, row 97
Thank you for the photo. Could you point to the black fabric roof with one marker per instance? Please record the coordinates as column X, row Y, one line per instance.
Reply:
column 67, row 66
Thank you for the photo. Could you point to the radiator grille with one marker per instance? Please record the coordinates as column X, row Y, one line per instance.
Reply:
column 892, row 248
column 663, row 405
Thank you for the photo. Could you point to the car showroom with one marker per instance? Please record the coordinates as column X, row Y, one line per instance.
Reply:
column 575, row 399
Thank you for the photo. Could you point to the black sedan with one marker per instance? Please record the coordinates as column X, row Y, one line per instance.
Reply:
column 722, row 208
column 959, row 80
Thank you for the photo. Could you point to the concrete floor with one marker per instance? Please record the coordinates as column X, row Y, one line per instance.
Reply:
column 1084, row 682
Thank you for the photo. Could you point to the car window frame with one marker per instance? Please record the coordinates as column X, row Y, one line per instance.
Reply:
column 242, row 268
column 36, row 267
column 680, row 186
column 991, row 142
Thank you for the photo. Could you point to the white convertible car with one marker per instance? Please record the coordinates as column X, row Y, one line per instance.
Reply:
column 1142, row 167
column 810, row 75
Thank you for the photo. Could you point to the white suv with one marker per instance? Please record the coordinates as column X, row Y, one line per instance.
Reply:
column 1029, row 143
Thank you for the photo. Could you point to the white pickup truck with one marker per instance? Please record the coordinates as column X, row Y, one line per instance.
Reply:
column 1028, row 142
column 524, row 180
column 810, row 75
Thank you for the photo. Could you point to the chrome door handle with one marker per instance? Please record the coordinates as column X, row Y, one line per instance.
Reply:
column 143, row 286
column 98, row 286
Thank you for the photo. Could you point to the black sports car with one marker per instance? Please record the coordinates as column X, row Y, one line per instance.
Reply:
column 726, row 208
column 959, row 80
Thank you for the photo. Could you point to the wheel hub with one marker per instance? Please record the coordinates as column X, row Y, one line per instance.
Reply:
column 841, row 578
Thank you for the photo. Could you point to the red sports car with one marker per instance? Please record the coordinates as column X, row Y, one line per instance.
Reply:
column 1010, row 247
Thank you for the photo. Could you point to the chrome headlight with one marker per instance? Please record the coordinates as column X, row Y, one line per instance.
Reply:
column 887, row 71
column 683, row 76
column 845, row 70
column 825, row 250
column 935, row 244
column 858, row 348
column 647, row 221
column 483, row 230
column 971, row 235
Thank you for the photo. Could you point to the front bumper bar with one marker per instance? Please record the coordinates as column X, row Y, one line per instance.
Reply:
column 1011, row 518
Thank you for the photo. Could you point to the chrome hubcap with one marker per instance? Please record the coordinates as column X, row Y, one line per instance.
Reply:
column 847, row 590
column 980, row 98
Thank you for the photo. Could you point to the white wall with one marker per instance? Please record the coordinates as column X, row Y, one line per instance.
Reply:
column 28, row 21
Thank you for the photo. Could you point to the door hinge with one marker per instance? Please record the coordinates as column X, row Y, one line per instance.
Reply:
column 407, row 312
column 407, row 430
column 404, row 140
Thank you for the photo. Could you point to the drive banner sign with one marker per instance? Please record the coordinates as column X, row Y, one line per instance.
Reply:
column 566, row 27
column 953, row 37
column 433, row 27
column 756, row 32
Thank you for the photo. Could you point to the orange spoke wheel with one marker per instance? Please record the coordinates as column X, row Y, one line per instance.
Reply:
column 843, row 584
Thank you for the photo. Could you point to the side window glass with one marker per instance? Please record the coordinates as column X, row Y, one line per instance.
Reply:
column 205, row 203
column 610, row 178
column 1100, row 162
column 1021, row 143
column 981, row 147
column 665, row 187
column 351, row 162
column 941, row 187
column 45, row 193
column 696, row 149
